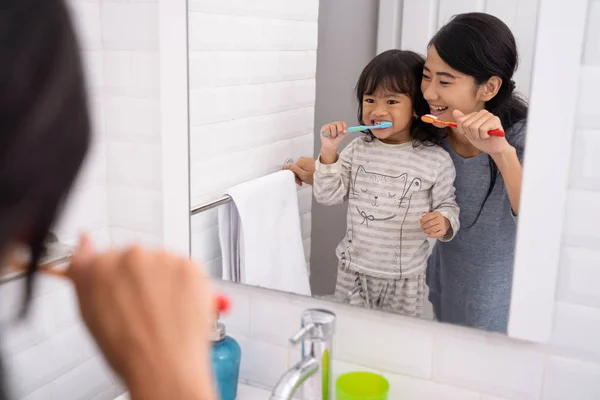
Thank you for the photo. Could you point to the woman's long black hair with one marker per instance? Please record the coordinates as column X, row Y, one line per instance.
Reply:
column 44, row 123
column 481, row 45
column 399, row 71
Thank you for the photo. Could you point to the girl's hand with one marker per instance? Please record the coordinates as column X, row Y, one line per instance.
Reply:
column 332, row 135
column 434, row 224
column 150, row 313
column 475, row 127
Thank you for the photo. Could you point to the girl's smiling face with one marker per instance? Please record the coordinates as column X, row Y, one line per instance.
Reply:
column 385, row 105
column 445, row 89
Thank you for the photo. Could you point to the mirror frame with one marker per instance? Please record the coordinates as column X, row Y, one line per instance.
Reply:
column 174, row 110
column 548, row 147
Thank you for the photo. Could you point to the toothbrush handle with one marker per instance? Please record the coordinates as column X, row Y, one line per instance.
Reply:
column 496, row 132
column 356, row 129
column 493, row 132
column 351, row 129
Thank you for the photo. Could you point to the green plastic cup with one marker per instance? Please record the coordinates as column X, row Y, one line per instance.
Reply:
column 361, row 386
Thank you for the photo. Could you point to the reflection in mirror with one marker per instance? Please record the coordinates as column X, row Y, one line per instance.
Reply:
column 405, row 189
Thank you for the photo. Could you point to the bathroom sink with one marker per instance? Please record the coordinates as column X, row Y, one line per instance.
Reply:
column 245, row 392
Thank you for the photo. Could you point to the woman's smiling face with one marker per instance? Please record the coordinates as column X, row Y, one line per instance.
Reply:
column 445, row 89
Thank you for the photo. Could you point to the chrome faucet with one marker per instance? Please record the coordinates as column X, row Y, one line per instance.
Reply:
column 312, row 374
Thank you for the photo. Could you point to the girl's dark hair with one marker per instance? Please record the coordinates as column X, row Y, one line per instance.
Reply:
column 44, row 124
column 399, row 71
column 480, row 45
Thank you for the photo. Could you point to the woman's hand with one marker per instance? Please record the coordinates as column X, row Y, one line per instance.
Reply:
column 304, row 169
column 151, row 314
column 475, row 127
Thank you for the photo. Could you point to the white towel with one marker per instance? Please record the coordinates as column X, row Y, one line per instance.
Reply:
column 260, row 231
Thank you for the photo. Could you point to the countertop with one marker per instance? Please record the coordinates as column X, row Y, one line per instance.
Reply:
column 245, row 392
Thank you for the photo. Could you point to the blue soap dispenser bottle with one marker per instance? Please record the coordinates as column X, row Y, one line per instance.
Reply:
column 226, row 357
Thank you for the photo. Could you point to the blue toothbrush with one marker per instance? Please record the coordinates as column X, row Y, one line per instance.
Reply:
column 361, row 128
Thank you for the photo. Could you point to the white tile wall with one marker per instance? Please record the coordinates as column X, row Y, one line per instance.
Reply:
column 252, row 93
column 117, row 199
column 131, row 79
column 425, row 360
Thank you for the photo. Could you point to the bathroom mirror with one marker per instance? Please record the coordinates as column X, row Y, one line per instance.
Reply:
column 261, row 85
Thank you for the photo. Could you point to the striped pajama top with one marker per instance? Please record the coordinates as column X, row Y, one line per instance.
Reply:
column 388, row 188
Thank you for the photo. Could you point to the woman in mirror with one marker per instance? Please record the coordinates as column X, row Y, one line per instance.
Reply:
column 467, row 79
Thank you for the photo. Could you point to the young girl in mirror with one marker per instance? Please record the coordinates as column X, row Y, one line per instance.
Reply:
column 399, row 185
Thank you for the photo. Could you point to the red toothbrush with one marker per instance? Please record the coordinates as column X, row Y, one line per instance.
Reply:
column 432, row 119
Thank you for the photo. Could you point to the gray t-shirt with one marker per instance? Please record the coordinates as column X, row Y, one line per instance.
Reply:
column 470, row 277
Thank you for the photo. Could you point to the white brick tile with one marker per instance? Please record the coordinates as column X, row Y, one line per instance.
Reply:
column 46, row 284
column 577, row 328
column 385, row 343
column 223, row 104
column 589, row 86
column 248, row 133
column 145, row 67
column 120, row 33
column 129, row 119
column 303, row 145
column 60, row 353
column 488, row 365
column 86, row 18
column 341, row 368
column 137, row 165
column 488, row 397
column 406, row 388
column 571, row 379
column 274, row 322
column 591, row 49
column 238, row 318
column 581, row 219
column 135, row 208
column 94, row 73
column 216, row 174
column 231, row 32
column 96, row 108
column 90, row 348
column 86, row 209
column 84, row 382
column 149, row 240
column 65, row 308
column 117, row 70
column 230, row 68
column 301, row 10
column 132, row 73
column 93, row 172
column 121, row 237
column 298, row 10
column 585, row 166
column 262, row 363
column 44, row 393
column 109, row 394
column 578, row 274
column 35, row 328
